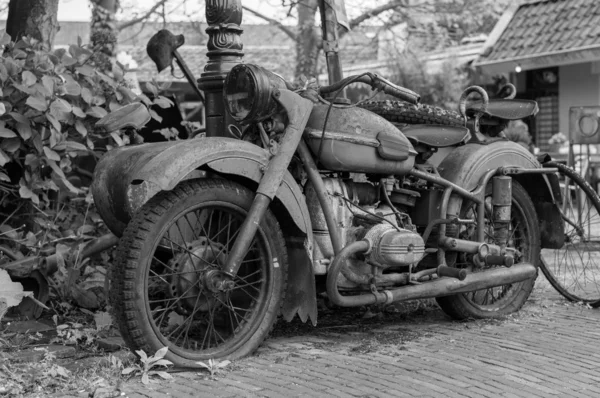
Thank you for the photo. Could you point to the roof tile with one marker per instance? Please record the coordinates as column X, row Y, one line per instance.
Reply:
column 548, row 25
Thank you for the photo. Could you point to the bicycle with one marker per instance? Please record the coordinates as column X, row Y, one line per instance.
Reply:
column 574, row 269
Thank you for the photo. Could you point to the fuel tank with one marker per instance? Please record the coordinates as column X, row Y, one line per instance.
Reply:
column 358, row 141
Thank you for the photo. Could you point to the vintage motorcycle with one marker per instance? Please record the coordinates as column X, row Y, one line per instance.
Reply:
column 219, row 236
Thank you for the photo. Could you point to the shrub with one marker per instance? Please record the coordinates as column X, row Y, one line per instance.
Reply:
column 49, row 102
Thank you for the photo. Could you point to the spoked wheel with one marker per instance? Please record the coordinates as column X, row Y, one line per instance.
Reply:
column 574, row 269
column 168, row 287
column 524, row 235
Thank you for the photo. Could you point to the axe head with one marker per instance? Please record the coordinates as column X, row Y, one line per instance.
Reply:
column 161, row 46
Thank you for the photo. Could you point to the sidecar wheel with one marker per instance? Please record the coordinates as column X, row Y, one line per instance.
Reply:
column 525, row 236
column 167, row 288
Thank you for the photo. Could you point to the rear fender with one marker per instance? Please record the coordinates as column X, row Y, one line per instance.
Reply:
column 466, row 165
column 128, row 177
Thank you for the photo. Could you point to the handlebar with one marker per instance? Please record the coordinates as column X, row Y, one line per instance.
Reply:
column 377, row 83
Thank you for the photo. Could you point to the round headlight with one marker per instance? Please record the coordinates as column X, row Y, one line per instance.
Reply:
column 249, row 93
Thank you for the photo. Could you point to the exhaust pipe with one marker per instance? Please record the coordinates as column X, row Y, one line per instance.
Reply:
column 439, row 287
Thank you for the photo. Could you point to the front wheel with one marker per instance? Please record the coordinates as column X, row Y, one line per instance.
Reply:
column 167, row 286
column 524, row 235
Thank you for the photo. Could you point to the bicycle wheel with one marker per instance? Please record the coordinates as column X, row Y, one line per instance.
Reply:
column 574, row 269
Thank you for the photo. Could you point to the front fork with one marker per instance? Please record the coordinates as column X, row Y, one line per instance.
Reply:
column 298, row 110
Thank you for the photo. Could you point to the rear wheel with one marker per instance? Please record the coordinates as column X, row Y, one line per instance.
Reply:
column 167, row 285
column 524, row 235
column 401, row 113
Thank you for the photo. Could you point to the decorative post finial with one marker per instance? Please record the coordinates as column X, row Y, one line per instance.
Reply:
column 225, row 46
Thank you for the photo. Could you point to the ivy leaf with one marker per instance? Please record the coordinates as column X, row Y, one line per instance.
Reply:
column 2, row 108
column 48, row 82
column 155, row 115
column 24, row 88
column 117, row 139
column 11, row 66
column 87, row 96
column 11, row 144
column 26, row 193
column 79, row 53
column 29, row 78
column 152, row 88
column 24, row 130
column 3, row 73
column 129, row 95
column 37, row 103
column 54, row 121
column 6, row 133
column 4, row 158
column 70, row 146
column 85, row 70
column 60, row 109
column 32, row 160
column 68, row 61
column 55, row 168
column 78, row 112
column 5, row 39
column 36, row 140
column 72, row 88
column 163, row 102
column 96, row 111
column 50, row 154
column 165, row 86
column 80, row 127
column 99, row 100
column 4, row 177
column 108, row 80
column 19, row 117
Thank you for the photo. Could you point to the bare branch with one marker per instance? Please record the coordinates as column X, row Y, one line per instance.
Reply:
column 142, row 17
column 376, row 11
column 273, row 22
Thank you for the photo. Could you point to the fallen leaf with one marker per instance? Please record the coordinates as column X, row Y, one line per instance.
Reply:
column 11, row 293
column 103, row 320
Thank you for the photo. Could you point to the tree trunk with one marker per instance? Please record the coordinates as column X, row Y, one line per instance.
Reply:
column 103, row 32
column 35, row 18
column 307, row 45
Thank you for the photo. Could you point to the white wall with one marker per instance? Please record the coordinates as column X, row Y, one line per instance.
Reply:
column 578, row 85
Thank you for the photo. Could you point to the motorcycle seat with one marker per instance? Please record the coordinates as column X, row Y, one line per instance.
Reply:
column 134, row 115
column 436, row 136
column 505, row 109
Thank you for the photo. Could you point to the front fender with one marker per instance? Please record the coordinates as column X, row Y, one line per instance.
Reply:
column 128, row 177
column 466, row 166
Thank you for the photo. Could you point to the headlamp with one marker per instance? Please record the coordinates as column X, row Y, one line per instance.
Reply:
column 250, row 93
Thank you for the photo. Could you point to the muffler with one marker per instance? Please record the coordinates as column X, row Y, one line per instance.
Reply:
column 444, row 286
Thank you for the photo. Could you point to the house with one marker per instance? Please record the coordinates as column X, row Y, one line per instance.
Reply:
column 550, row 49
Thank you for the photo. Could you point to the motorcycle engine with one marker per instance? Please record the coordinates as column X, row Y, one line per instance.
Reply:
column 361, row 215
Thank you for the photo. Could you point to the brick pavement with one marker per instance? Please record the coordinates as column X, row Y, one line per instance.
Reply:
column 548, row 349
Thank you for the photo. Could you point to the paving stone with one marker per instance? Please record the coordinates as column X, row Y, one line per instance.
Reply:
column 540, row 352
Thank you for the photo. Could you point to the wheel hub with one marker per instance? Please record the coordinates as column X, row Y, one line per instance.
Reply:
column 196, row 274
